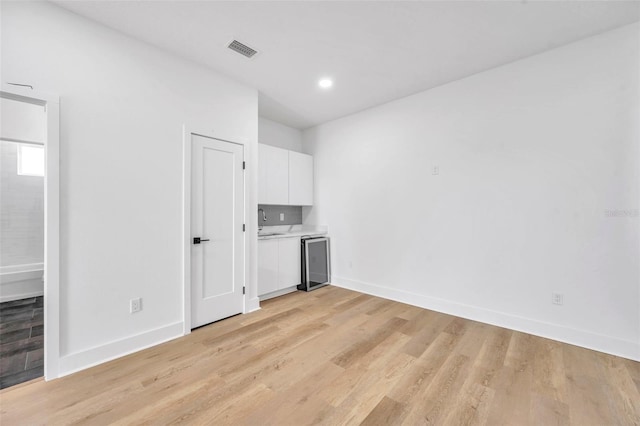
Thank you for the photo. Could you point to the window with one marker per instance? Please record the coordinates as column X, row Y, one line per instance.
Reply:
column 30, row 160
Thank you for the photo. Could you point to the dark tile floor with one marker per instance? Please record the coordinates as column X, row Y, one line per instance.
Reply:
column 21, row 341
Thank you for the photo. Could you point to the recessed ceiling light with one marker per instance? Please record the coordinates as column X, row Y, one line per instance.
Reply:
column 325, row 83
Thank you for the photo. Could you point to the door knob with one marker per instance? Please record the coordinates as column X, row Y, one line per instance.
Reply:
column 198, row 240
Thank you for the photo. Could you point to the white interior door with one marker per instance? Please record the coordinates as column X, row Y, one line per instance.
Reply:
column 217, row 235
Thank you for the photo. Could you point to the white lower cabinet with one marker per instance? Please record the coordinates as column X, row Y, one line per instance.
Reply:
column 288, row 262
column 267, row 266
column 278, row 264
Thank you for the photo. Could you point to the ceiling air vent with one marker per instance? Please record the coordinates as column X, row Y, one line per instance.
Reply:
column 242, row 49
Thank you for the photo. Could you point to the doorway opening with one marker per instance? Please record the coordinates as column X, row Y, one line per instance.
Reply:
column 22, row 142
column 214, row 229
column 29, row 229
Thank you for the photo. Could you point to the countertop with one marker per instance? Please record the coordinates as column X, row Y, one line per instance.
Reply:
column 289, row 231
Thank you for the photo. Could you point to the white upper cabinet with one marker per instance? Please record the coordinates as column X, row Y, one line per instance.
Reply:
column 284, row 177
column 273, row 173
column 262, row 174
column 300, row 179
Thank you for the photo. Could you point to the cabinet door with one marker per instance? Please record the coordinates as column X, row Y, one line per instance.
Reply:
column 273, row 187
column 267, row 266
column 263, row 157
column 289, row 262
column 300, row 179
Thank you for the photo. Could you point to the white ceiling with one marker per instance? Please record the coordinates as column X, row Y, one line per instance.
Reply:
column 374, row 51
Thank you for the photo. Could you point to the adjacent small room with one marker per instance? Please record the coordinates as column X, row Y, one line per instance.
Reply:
column 325, row 212
column 22, row 245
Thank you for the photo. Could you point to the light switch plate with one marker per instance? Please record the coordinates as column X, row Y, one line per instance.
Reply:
column 281, row 217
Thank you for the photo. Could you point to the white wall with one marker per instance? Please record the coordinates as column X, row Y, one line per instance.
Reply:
column 534, row 157
column 22, row 121
column 277, row 134
column 123, row 105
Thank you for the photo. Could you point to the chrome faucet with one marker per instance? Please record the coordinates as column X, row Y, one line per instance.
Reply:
column 264, row 217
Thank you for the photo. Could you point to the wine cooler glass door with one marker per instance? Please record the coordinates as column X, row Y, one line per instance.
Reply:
column 317, row 264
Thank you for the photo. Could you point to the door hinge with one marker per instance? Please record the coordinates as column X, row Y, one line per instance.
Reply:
column 243, row 290
column 244, row 165
column 243, row 227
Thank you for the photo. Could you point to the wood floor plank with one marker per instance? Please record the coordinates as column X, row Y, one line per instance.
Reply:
column 337, row 357
column 371, row 389
column 424, row 337
column 438, row 397
column 290, row 407
column 471, row 405
column 512, row 399
column 548, row 370
column 417, row 320
column 491, row 357
column 585, row 396
column 235, row 411
column 361, row 308
column 622, row 394
column 633, row 368
column 548, row 411
column 424, row 370
column 384, row 360
column 363, row 346
column 385, row 413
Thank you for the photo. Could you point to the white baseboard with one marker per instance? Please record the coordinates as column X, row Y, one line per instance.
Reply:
column 252, row 305
column 19, row 296
column 77, row 361
column 277, row 293
column 21, row 286
column 623, row 348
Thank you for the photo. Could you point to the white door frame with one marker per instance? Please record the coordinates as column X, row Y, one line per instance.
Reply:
column 51, row 221
column 186, row 219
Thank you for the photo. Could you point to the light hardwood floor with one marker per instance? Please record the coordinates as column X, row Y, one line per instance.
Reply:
column 335, row 356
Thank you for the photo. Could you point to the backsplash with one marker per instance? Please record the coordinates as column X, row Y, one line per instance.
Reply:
column 292, row 215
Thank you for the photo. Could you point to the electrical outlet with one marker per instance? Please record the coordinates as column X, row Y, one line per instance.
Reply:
column 135, row 305
column 557, row 298
column 281, row 217
column 435, row 170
